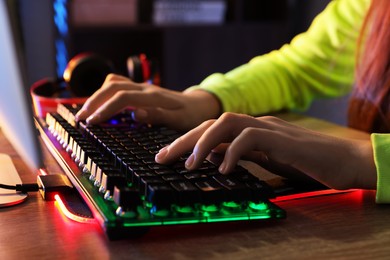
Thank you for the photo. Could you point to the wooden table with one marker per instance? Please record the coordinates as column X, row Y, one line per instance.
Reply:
column 348, row 225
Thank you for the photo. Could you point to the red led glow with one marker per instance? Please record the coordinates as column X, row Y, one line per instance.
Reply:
column 69, row 214
column 310, row 194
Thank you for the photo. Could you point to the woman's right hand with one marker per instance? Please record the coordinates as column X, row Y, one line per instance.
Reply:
column 338, row 163
column 150, row 104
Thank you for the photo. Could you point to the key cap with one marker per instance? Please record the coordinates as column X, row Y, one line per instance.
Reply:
column 161, row 195
column 187, row 192
column 237, row 191
column 126, row 197
column 212, row 193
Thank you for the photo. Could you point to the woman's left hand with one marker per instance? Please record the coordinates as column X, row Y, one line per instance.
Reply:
column 336, row 162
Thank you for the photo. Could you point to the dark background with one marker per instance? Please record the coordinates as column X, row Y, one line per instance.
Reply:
column 186, row 53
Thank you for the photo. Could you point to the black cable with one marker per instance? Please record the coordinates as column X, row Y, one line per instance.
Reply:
column 24, row 188
column 8, row 187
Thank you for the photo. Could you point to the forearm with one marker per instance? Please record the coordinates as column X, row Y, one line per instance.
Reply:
column 318, row 63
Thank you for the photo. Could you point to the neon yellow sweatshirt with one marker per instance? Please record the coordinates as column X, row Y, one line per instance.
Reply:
column 319, row 63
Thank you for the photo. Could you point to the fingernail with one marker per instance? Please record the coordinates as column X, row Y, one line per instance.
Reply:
column 79, row 113
column 190, row 161
column 77, row 116
column 160, row 156
column 93, row 118
column 222, row 168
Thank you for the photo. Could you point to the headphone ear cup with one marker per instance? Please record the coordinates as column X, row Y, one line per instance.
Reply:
column 135, row 69
column 139, row 68
column 85, row 73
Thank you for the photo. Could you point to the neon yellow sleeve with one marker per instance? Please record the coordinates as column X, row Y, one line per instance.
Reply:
column 317, row 63
column 381, row 146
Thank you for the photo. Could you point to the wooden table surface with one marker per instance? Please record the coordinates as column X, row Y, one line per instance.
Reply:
column 348, row 225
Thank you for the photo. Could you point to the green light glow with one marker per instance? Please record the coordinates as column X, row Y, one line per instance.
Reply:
column 184, row 210
column 258, row 206
column 209, row 208
column 232, row 206
column 160, row 213
column 126, row 214
column 147, row 204
column 147, row 215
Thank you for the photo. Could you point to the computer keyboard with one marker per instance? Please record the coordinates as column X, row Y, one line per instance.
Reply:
column 112, row 165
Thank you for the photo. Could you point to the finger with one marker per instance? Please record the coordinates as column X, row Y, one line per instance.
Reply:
column 224, row 130
column 249, row 140
column 135, row 98
column 112, row 85
column 227, row 128
column 111, row 107
column 182, row 144
column 221, row 148
column 284, row 145
column 257, row 157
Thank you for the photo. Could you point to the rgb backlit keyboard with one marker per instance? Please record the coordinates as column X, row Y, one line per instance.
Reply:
column 113, row 167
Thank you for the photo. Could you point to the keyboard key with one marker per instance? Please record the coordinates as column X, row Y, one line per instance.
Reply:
column 212, row 193
column 188, row 193
column 110, row 179
column 126, row 197
column 160, row 194
column 238, row 190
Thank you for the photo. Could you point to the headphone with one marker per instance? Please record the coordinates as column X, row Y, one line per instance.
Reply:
column 141, row 69
column 83, row 75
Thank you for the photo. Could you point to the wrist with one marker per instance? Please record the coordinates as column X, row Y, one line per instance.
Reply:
column 207, row 103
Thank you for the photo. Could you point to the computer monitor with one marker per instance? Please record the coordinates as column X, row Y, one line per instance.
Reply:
column 16, row 117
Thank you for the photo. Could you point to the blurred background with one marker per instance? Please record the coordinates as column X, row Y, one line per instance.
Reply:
column 188, row 39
